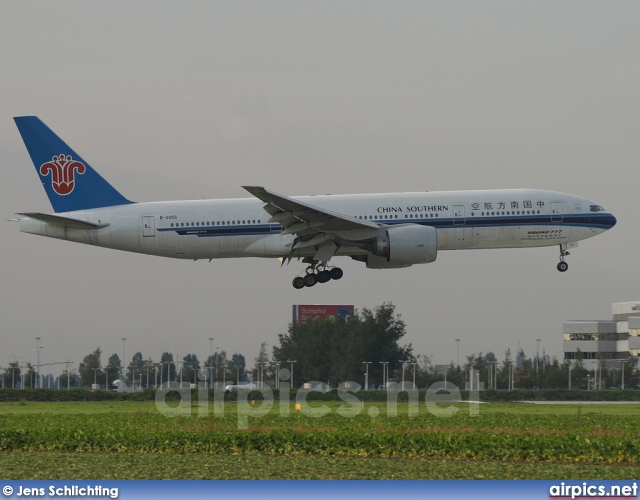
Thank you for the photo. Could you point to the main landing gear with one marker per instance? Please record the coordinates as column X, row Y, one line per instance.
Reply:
column 562, row 265
column 313, row 275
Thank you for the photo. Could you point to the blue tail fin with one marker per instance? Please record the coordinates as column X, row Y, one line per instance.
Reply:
column 70, row 182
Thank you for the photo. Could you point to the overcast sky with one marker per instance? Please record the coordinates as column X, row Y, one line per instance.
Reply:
column 191, row 100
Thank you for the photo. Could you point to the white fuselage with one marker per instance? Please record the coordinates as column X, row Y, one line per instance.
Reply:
column 211, row 229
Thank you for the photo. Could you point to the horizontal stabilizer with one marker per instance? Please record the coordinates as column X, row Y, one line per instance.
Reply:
column 65, row 222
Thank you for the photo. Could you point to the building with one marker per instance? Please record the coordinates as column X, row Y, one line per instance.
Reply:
column 613, row 341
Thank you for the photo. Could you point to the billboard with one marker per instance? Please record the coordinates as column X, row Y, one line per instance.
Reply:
column 303, row 313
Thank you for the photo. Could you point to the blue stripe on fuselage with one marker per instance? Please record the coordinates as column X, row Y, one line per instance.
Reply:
column 599, row 221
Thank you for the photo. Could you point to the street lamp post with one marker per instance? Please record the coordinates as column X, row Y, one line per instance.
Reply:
column 277, row 375
column 215, row 362
column 385, row 374
column 366, row 375
column 290, row 361
column 175, row 361
column 124, row 339
column 209, row 378
column 95, row 376
column 414, row 374
column 68, row 375
column 403, row 365
column 261, row 374
column 622, row 362
column 458, row 353
column 13, row 369
column 38, row 365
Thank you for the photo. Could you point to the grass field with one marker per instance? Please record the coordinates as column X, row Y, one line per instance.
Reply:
column 133, row 440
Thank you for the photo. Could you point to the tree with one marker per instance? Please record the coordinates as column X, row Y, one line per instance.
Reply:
column 490, row 362
column 112, row 370
column 524, row 374
column 504, row 373
column 29, row 377
column 69, row 378
column 261, row 362
column 333, row 350
column 553, row 374
column 135, row 369
column 237, row 369
column 150, row 369
column 634, row 374
column 190, row 367
column 11, row 375
column 221, row 369
column 212, row 369
column 579, row 374
column 86, row 369
column 455, row 375
column 168, row 369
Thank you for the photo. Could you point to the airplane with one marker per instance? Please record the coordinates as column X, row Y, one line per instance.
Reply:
column 384, row 231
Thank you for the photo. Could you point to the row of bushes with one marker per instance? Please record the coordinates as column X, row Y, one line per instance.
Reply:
column 16, row 395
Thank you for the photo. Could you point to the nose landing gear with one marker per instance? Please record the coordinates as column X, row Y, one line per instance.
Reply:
column 562, row 265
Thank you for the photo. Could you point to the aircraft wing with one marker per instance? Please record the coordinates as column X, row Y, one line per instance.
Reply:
column 302, row 218
column 312, row 226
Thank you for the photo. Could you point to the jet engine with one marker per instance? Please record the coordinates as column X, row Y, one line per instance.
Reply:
column 403, row 246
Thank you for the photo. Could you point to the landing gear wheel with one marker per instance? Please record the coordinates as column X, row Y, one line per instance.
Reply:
column 298, row 283
column 336, row 273
column 310, row 279
column 562, row 266
column 324, row 276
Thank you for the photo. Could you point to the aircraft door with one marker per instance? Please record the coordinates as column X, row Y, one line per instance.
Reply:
column 458, row 215
column 149, row 226
column 556, row 211
column 462, row 232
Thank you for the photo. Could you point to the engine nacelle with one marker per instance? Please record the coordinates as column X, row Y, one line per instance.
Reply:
column 403, row 246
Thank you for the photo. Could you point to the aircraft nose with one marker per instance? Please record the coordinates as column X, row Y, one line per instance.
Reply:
column 610, row 221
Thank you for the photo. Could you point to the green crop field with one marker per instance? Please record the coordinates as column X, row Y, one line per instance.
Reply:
column 134, row 440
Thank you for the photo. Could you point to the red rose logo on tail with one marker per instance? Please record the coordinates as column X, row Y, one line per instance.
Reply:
column 62, row 170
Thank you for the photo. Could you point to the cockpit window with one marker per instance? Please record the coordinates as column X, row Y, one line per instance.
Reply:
column 597, row 208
